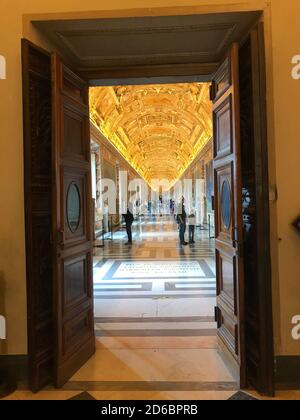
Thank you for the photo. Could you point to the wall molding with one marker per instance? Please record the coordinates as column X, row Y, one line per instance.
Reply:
column 287, row 372
column 14, row 367
column 13, row 370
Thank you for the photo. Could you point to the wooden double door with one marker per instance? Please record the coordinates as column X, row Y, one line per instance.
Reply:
column 58, row 217
column 244, row 294
column 228, row 210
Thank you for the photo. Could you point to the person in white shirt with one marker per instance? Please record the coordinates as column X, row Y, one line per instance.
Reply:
column 192, row 225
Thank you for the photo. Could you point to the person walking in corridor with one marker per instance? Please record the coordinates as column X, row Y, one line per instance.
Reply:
column 129, row 219
column 181, row 220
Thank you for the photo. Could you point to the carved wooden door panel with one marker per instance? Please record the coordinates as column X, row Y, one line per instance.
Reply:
column 72, row 198
column 228, row 210
column 38, row 190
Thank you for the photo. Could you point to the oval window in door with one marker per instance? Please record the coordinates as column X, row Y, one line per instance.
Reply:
column 73, row 207
column 226, row 204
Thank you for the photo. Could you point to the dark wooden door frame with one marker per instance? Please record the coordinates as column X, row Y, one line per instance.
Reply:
column 37, row 199
column 263, row 241
column 134, row 74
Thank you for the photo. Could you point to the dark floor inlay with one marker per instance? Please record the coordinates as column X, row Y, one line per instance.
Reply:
column 101, row 263
column 149, row 386
column 171, row 286
column 242, row 396
column 145, row 287
column 157, row 333
column 84, row 396
column 136, row 320
column 157, row 297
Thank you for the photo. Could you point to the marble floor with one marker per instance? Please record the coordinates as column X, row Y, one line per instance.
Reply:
column 154, row 318
column 154, row 321
column 155, row 288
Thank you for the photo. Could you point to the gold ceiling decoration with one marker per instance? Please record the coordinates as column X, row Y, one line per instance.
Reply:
column 159, row 129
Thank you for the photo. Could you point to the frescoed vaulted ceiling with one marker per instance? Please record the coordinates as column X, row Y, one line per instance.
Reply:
column 159, row 129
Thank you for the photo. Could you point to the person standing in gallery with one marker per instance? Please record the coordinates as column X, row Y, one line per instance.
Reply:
column 192, row 226
column 181, row 220
column 129, row 219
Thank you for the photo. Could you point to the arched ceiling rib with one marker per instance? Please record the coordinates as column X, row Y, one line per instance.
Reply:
column 159, row 129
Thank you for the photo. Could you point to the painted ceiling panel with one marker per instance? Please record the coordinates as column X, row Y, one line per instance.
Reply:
column 159, row 129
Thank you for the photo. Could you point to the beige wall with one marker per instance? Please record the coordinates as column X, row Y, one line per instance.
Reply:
column 283, row 42
column 286, row 44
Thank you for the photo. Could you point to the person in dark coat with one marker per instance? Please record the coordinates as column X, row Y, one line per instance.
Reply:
column 181, row 220
column 129, row 219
